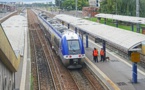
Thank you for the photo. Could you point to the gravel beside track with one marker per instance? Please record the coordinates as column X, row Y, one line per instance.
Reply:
column 43, row 76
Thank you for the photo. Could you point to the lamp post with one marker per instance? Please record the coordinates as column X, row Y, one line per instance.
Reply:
column 137, row 15
column 76, row 2
column 59, row 3
column 116, row 6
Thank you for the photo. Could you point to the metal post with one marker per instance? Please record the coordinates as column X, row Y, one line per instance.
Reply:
column 76, row 7
column 82, row 36
column 116, row 7
column 104, row 47
column 132, row 27
column 104, row 20
column 116, row 23
column 68, row 26
column 137, row 15
column 75, row 30
column 59, row 3
column 134, row 73
column 87, row 44
column 98, row 20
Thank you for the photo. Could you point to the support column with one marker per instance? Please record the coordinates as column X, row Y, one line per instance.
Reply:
column 104, row 20
column 82, row 36
column 116, row 23
column 137, row 15
column 135, row 57
column 138, row 28
column 14, row 83
column 68, row 26
column 104, row 47
column 132, row 27
column 98, row 20
column 134, row 73
column 75, row 30
column 87, row 44
column 79, row 33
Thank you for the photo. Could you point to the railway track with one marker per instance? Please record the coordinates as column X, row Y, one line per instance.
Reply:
column 42, row 76
column 47, row 70
column 86, row 80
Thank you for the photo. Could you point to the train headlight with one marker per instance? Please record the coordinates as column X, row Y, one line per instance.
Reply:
column 70, row 56
column 79, row 55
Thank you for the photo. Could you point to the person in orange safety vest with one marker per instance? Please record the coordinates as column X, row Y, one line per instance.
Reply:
column 95, row 55
column 102, row 54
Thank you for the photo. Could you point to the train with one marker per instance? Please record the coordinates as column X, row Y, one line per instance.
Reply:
column 66, row 43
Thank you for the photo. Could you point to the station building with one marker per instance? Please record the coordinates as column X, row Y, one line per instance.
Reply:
column 7, row 8
column 93, row 8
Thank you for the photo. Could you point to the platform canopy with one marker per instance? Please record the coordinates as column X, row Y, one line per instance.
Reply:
column 15, row 28
column 123, row 39
column 131, row 19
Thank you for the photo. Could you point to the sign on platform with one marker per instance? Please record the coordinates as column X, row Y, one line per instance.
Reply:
column 135, row 57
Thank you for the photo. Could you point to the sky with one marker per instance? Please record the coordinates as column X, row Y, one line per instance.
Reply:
column 28, row 1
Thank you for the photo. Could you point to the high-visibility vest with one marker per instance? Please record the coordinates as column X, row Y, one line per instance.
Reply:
column 95, row 53
column 102, row 52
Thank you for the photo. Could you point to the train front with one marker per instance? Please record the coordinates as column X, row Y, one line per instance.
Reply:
column 72, row 50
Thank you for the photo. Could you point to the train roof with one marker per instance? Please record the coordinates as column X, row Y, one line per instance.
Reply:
column 61, row 29
column 70, row 35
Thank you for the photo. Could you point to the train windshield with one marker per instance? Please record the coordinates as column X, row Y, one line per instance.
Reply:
column 74, row 47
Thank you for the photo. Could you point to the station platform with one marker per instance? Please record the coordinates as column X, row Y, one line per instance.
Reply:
column 115, row 73
column 16, row 30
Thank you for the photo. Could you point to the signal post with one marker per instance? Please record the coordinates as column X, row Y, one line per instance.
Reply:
column 135, row 58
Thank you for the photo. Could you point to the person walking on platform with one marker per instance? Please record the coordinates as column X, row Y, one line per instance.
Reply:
column 95, row 55
column 102, row 54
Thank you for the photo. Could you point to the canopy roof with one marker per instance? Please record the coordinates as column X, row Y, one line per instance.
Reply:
column 125, row 40
column 131, row 19
column 15, row 28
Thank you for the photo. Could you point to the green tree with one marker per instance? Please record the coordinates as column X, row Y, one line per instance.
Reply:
column 122, row 7
column 70, row 4
column 59, row 3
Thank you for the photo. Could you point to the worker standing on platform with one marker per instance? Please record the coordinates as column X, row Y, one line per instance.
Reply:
column 102, row 54
column 95, row 55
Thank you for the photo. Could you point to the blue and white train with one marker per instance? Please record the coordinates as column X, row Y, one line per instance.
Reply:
column 67, row 44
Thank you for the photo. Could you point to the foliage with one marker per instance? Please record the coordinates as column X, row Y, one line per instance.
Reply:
column 122, row 7
column 59, row 3
column 120, row 25
column 71, row 4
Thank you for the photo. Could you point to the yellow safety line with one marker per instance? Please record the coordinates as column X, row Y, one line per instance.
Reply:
column 103, row 75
